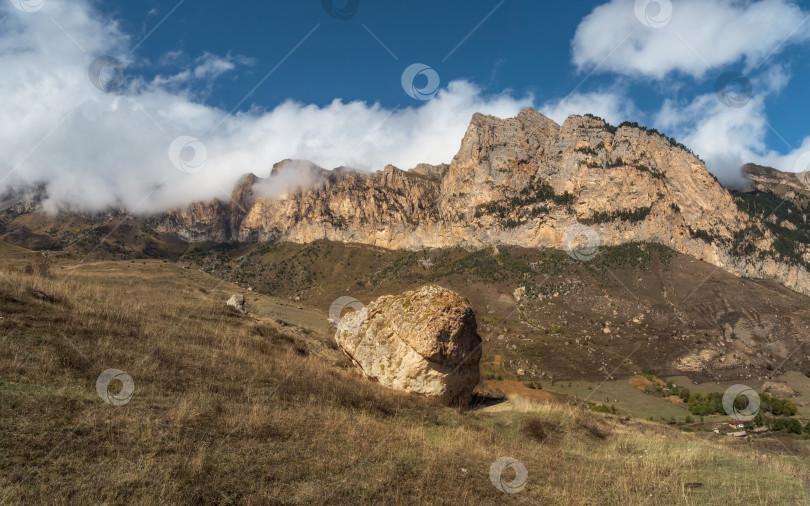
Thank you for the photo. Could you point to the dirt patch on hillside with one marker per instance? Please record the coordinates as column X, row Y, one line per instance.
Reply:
column 641, row 382
column 674, row 399
column 517, row 388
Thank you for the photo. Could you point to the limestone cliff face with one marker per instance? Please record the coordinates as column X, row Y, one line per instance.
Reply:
column 519, row 181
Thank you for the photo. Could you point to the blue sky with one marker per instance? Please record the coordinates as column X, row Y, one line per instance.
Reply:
column 524, row 46
column 190, row 64
column 520, row 47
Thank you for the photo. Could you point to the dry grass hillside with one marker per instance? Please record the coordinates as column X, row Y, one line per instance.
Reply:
column 252, row 409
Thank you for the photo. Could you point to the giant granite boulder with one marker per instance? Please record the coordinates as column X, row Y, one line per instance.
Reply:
column 424, row 341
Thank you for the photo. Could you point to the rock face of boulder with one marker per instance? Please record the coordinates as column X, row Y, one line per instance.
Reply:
column 424, row 341
column 238, row 303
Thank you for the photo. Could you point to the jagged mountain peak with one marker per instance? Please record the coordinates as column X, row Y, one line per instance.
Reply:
column 771, row 178
column 520, row 181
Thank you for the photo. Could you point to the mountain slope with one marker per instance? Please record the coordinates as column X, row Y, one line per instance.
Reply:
column 235, row 409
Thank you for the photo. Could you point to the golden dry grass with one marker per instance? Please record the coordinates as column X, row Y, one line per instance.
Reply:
column 233, row 409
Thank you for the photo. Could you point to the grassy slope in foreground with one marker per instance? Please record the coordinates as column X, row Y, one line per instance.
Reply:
column 245, row 409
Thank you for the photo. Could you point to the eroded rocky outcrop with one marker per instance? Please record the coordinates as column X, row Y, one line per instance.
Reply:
column 422, row 341
column 519, row 181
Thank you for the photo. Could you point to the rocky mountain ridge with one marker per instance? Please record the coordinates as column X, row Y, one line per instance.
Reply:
column 520, row 181
column 791, row 186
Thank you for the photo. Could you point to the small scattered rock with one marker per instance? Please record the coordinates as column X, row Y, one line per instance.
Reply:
column 238, row 303
column 43, row 296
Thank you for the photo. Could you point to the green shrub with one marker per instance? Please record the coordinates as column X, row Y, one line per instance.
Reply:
column 779, row 407
column 631, row 215
column 603, row 408
column 787, row 424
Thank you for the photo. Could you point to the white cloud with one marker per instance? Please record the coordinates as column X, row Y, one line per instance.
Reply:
column 611, row 106
column 290, row 177
column 207, row 68
column 699, row 36
column 211, row 66
column 95, row 149
column 697, row 39
column 171, row 57
column 725, row 137
column 729, row 137
column 798, row 160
